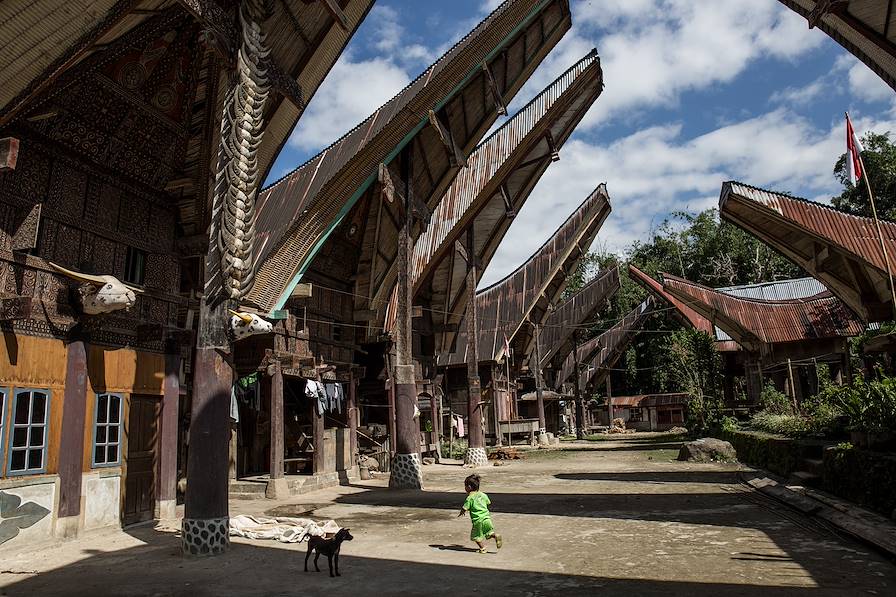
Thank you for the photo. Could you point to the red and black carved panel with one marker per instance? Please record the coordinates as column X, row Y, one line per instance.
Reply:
column 68, row 188
column 27, row 184
column 101, row 205
column 134, row 218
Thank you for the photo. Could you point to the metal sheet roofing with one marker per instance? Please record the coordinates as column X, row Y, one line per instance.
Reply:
column 866, row 28
column 755, row 323
column 298, row 213
column 839, row 249
column 606, row 350
column 649, row 400
column 512, row 306
column 685, row 314
column 514, row 156
column 557, row 337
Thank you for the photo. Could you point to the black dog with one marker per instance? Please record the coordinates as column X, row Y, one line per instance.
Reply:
column 328, row 547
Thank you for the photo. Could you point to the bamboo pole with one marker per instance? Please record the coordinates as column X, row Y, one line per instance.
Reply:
column 880, row 235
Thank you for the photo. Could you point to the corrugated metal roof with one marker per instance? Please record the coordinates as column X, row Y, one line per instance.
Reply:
column 608, row 348
column 649, row 400
column 475, row 198
column 297, row 213
column 841, row 250
column 860, row 27
column 559, row 328
column 754, row 323
column 522, row 297
column 686, row 315
column 780, row 290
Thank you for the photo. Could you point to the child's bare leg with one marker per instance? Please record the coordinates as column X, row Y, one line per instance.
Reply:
column 481, row 545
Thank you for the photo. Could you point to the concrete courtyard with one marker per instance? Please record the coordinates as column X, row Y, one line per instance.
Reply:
column 607, row 518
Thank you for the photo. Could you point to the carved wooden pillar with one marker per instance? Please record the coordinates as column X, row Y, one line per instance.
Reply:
column 406, row 466
column 475, row 454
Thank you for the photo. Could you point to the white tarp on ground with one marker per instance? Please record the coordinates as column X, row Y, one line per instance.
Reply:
column 283, row 529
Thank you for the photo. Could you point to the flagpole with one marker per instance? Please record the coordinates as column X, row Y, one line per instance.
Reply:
column 880, row 235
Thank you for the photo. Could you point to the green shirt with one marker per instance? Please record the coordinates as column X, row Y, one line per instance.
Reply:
column 477, row 505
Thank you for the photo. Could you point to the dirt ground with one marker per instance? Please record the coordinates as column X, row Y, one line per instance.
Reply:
column 610, row 518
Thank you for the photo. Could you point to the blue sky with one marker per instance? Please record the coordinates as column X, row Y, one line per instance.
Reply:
column 697, row 92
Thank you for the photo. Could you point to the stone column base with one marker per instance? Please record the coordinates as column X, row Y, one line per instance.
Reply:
column 166, row 509
column 67, row 527
column 406, row 472
column 475, row 457
column 277, row 489
column 205, row 537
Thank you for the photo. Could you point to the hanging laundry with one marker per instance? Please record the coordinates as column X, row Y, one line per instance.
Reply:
column 234, row 406
column 460, row 425
column 316, row 392
column 335, row 396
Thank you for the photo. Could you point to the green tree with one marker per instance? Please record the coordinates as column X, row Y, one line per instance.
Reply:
column 693, row 365
column 880, row 162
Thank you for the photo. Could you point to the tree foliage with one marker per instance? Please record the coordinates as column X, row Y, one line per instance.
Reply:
column 880, row 163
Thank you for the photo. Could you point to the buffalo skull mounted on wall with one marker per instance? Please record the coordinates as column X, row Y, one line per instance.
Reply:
column 243, row 325
column 101, row 294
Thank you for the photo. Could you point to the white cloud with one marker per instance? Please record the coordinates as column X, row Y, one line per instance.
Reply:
column 865, row 84
column 655, row 171
column 351, row 92
column 652, row 51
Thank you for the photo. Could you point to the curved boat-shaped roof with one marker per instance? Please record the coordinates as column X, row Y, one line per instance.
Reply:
column 558, row 336
column 839, row 249
column 867, row 28
column 46, row 39
column 437, row 119
column 485, row 196
column 757, row 323
column 512, row 306
column 685, row 315
column 605, row 350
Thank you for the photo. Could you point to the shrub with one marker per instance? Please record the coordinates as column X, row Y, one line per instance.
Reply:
column 789, row 425
column 775, row 402
column 729, row 424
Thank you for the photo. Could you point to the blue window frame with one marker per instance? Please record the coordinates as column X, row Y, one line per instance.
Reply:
column 107, row 430
column 28, row 432
column 3, row 393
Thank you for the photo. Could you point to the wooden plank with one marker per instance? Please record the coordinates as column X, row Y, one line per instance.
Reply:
column 74, row 416
column 336, row 12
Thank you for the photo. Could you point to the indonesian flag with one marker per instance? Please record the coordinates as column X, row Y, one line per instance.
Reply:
column 853, row 149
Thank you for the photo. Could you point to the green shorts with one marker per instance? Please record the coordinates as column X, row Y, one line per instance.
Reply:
column 482, row 530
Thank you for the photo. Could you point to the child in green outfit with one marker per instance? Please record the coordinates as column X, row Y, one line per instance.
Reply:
column 477, row 504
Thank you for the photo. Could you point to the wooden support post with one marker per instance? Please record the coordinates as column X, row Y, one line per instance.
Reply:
column 539, row 387
column 580, row 407
column 71, row 448
column 406, row 466
column 277, row 487
column 318, row 432
column 609, row 403
column 336, row 12
column 206, row 510
column 754, row 382
column 166, row 496
column 351, row 410
column 455, row 153
column 475, row 455
column 493, row 88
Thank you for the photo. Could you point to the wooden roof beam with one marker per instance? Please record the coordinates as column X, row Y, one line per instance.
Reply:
column 455, row 153
column 509, row 211
column 823, row 7
column 493, row 87
column 336, row 12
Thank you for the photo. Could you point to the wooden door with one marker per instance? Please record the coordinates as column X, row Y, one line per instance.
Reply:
column 142, row 459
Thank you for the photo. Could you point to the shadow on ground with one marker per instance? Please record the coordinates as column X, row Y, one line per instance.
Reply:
column 158, row 569
column 716, row 477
